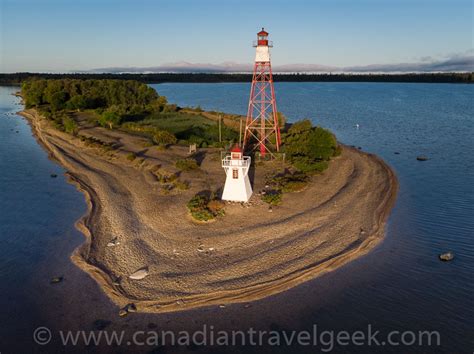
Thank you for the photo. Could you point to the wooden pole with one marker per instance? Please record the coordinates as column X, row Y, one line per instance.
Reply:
column 220, row 127
column 240, row 133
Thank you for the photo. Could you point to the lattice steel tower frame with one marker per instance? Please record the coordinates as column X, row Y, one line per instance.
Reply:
column 262, row 119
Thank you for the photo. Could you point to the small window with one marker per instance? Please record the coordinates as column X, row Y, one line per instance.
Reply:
column 235, row 173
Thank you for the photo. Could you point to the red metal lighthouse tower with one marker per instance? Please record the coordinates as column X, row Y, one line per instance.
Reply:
column 262, row 120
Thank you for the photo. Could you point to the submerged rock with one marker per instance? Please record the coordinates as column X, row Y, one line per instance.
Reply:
column 100, row 325
column 131, row 307
column 53, row 175
column 56, row 280
column 422, row 158
column 139, row 274
column 447, row 256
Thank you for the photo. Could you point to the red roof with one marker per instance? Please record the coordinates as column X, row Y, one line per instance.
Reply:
column 236, row 149
column 262, row 32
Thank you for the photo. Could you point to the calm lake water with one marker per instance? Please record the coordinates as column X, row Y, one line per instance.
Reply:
column 399, row 286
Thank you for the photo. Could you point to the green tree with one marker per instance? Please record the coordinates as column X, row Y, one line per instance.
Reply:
column 281, row 120
column 52, row 87
column 33, row 91
column 309, row 148
column 78, row 102
column 57, row 101
column 109, row 119
column 69, row 125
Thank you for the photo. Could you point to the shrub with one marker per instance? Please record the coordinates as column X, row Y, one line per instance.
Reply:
column 131, row 156
column 281, row 120
column 165, row 177
column 307, row 165
column 338, row 151
column 162, row 137
column 216, row 207
column 108, row 119
column 170, row 108
column 203, row 208
column 181, row 185
column 294, row 186
column 289, row 181
column 272, row 197
column 309, row 148
column 186, row 164
column 70, row 125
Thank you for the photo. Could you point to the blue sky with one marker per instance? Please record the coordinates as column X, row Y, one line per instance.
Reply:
column 68, row 35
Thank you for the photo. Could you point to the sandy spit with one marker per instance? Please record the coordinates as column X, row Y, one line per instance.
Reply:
column 246, row 255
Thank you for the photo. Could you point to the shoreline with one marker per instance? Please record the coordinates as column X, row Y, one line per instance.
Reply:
column 91, row 257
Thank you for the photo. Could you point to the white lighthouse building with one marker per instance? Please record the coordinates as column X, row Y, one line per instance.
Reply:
column 237, row 184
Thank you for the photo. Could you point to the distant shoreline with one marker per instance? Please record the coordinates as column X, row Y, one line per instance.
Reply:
column 156, row 78
column 241, row 260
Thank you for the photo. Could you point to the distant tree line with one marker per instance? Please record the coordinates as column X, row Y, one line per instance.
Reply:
column 18, row 78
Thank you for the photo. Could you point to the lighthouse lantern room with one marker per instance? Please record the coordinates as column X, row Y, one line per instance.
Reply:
column 237, row 184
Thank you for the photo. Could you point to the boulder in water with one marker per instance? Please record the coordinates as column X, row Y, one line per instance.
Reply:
column 447, row 256
column 422, row 158
column 56, row 280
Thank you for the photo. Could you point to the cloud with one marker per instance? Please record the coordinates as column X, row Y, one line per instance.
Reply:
column 455, row 63
column 458, row 62
column 181, row 67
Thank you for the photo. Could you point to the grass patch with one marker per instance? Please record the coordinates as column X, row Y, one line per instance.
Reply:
column 186, row 164
column 272, row 197
column 182, row 186
column 186, row 127
column 285, row 182
column 308, row 166
column 165, row 178
column 288, row 181
column 90, row 141
column 203, row 208
column 131, row 156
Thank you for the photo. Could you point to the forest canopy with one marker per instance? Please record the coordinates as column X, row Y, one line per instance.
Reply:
column 120, row 96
